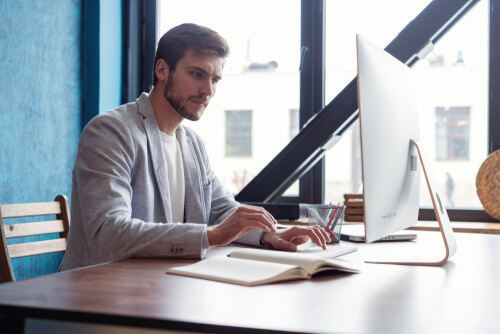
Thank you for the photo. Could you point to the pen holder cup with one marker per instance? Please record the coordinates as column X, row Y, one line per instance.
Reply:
column 328, row 217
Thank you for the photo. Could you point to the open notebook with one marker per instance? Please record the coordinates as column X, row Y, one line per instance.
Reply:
column 250, row 267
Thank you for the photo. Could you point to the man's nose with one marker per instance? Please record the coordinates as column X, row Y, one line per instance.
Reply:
column 208, row 88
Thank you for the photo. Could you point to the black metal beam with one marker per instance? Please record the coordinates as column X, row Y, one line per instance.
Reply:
column 494, row 77
column 139, row 45
column 457, row 215
column 303, row 151
column 149, row 26
column 312, row 94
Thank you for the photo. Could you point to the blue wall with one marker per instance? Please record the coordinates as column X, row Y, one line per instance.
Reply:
column 60, row 65
column 110, row 51
column 40, row 105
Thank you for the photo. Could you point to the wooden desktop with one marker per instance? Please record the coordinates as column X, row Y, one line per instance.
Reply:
column 461, row 296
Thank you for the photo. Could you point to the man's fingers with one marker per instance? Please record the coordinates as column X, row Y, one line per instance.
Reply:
column 257, row 218
column 260, row 210
column 252, row 224
column 317, row 235
column 242, row 220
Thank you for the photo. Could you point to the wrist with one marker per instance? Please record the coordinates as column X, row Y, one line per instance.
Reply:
column 212, row 237
column 263, row 241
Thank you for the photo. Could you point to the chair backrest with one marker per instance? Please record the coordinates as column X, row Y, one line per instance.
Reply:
column 59, row 208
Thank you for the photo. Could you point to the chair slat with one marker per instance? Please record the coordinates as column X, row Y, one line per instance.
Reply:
column 30, row 209
column 29, row 229
column 36, row 248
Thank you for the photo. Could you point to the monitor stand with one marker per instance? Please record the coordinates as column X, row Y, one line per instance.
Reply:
column 441, row 216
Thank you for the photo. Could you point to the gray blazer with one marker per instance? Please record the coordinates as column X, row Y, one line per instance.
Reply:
column 120, row 200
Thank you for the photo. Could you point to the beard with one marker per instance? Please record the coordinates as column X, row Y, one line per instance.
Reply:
column 176, row 101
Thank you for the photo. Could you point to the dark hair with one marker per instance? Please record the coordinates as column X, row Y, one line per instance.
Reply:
column 175, row 42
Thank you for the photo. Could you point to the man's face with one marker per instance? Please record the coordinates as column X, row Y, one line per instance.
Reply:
column 191, row 86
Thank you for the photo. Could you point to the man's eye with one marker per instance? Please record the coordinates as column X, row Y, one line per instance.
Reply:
column 197, row 74
column 215, row 81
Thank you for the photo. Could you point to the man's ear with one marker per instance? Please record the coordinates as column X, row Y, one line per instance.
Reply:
column 161, row 70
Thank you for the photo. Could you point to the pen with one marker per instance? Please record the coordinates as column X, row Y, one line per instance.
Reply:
column 330, row 231
column 331, row 218
column 337, row 218
column 323, row 223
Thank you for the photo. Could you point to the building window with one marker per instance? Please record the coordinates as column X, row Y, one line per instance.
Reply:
column 238, row 133
column 452, row 133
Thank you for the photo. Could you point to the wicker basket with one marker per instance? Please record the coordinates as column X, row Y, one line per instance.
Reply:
column 488, row 184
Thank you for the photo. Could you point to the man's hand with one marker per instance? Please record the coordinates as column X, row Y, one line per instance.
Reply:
column 287, row 240
column 244, row 219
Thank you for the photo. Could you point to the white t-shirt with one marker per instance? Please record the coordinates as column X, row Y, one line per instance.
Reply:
column 175, row 173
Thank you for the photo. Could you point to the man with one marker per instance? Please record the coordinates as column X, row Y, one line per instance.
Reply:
column 142, row 182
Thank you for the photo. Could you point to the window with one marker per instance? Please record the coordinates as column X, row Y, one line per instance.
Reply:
column 453, row 108
column 238, row 133
column 452, row 133
column 454, row 73
column 263, row 76
column 259, row 86
column 345, row 19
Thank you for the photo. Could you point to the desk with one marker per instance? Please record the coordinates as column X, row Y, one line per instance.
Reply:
column 463, row 296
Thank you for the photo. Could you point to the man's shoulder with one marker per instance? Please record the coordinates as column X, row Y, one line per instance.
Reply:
column 125, row 111
column 124, row 114
column 131, row 111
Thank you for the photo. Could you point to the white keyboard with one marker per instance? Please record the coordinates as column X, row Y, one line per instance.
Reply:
column 334, row 250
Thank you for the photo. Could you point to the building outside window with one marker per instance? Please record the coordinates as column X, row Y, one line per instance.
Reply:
column 452, row 133
column 238, row 133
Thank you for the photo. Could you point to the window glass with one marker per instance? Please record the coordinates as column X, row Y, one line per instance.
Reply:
column 451, row 83
column 238, row 133
column 294, row 123
column 452, row 133
column 456, row 87
column 260, row 75
column 379, row 22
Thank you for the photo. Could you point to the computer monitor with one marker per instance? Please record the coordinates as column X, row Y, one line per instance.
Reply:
column 392, row 158
column 388, row 121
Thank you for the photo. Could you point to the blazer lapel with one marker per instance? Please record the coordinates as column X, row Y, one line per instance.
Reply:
column 194, row 205
column 156, row 152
